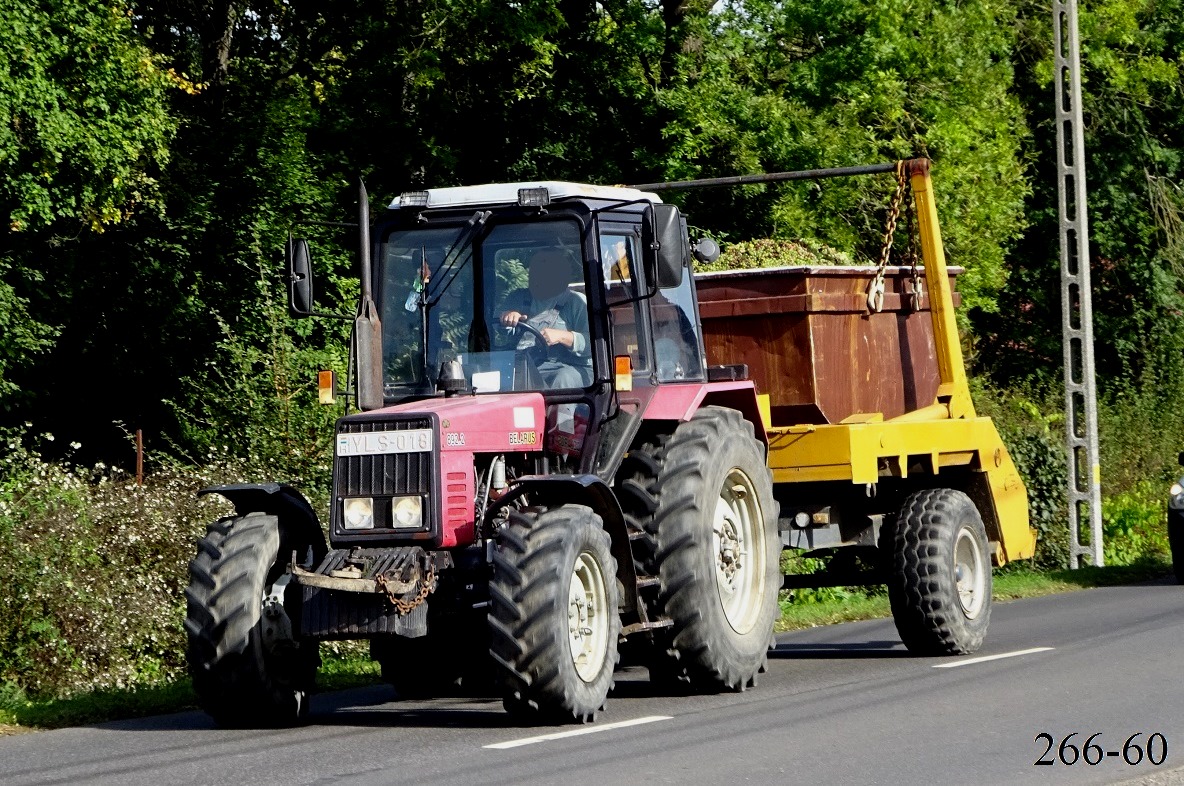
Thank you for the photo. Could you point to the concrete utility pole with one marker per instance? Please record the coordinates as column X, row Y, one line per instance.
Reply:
column 1077, row 323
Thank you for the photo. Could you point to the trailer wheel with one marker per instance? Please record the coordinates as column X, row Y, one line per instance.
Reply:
column 1176, row 543
column 939, row 584
column 249, row 669
column 554, row 621
column 717, row 552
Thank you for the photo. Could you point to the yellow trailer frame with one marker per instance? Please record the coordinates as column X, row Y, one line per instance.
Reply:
column 865, row 448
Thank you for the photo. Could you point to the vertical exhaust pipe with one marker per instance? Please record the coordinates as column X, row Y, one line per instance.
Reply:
column 367, row 325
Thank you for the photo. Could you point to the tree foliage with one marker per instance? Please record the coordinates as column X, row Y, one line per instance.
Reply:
column 194, row 135
column 1133, row 105
column 86, row 116
column 86, row 124
column 807, row 85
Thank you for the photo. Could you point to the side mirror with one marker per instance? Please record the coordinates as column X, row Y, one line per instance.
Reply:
column 663, row 245
column 1180, row 459
column 299, row 277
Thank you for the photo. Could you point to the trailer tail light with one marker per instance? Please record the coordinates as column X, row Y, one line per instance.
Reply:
column 623, row 365
column 327, row 387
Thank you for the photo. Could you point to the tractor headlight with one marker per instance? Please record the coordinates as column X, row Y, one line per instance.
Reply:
column 359, row 513
column 1176, row 498
column 407, row 513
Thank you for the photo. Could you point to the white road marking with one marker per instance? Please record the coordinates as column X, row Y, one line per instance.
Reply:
column 955, row 664
column 577, row 732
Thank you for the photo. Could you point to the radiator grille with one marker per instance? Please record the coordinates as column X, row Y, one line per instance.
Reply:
column 386, row 475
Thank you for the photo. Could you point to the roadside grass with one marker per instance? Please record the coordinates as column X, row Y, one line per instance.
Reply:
column 17, row 712
column 347, row 666
column 812, row 608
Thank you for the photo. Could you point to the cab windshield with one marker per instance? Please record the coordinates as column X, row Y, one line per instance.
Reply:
column 505, row 300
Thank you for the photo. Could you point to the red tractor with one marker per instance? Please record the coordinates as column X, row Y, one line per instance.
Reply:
column 544, row 473
column 561, row 457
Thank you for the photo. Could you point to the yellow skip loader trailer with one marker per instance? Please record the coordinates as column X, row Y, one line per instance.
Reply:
column 867, row 413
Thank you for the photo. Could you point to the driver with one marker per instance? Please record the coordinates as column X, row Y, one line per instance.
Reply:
column 559, row 314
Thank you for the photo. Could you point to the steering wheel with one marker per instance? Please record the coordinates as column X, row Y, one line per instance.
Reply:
column 537, row 349
column 525, row 327
column 530, row 357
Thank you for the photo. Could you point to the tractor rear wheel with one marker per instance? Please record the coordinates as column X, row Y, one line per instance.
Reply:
column 553, row 621
column 249, row 667
column 939, row 581
column 717, row 553
column 637, row 490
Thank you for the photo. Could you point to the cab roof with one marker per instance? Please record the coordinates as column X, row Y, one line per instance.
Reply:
column 508, row 194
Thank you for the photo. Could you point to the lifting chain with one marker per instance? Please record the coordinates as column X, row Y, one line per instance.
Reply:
column 917, row 301
column 404, row 607
column 875, row 290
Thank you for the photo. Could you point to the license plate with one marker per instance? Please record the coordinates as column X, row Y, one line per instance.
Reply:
column 383, row 442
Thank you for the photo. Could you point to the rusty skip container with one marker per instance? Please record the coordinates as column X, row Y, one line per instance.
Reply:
column 811, row 343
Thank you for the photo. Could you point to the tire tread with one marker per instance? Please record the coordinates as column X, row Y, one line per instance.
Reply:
column 525, row 640
column 921, row 584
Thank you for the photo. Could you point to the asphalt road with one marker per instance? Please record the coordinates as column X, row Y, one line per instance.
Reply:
column 841, row 704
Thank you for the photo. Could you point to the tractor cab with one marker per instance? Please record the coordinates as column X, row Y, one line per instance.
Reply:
column 560, row 289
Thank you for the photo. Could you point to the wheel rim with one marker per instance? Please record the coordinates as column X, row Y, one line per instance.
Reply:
column 970, row 573
column 738, row 538
column 587, row 617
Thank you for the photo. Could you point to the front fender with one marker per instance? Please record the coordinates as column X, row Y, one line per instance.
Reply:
column 298, row 521
column 586, row 490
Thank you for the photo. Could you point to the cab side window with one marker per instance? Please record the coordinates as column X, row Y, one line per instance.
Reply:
column 618, row 255
column 678, row 353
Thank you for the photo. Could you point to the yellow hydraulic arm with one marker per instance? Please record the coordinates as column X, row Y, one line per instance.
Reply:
column 953, row 392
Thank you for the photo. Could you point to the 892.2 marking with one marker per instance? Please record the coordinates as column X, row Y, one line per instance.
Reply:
column 1133, row 751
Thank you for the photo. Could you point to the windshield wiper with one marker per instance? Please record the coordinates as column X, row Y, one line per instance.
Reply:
column 464, row 240
column 429, row 296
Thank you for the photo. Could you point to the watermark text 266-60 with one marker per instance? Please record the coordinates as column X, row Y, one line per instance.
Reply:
column 1075, row 748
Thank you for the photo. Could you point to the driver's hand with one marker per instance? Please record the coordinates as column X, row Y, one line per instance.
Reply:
column 512, row 318
column 556, row 336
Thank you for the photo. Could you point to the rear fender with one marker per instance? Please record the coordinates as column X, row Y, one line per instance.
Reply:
column 591, row 491
column 679, row 402
column 297, row 520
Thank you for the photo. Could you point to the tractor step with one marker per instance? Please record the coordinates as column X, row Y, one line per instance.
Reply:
column 638, row 627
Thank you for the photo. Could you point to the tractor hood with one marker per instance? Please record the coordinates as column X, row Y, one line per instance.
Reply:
column 476, row 424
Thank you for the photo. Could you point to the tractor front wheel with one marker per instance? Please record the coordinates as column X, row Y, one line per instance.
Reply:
column 249, row 667
column 553, row 621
